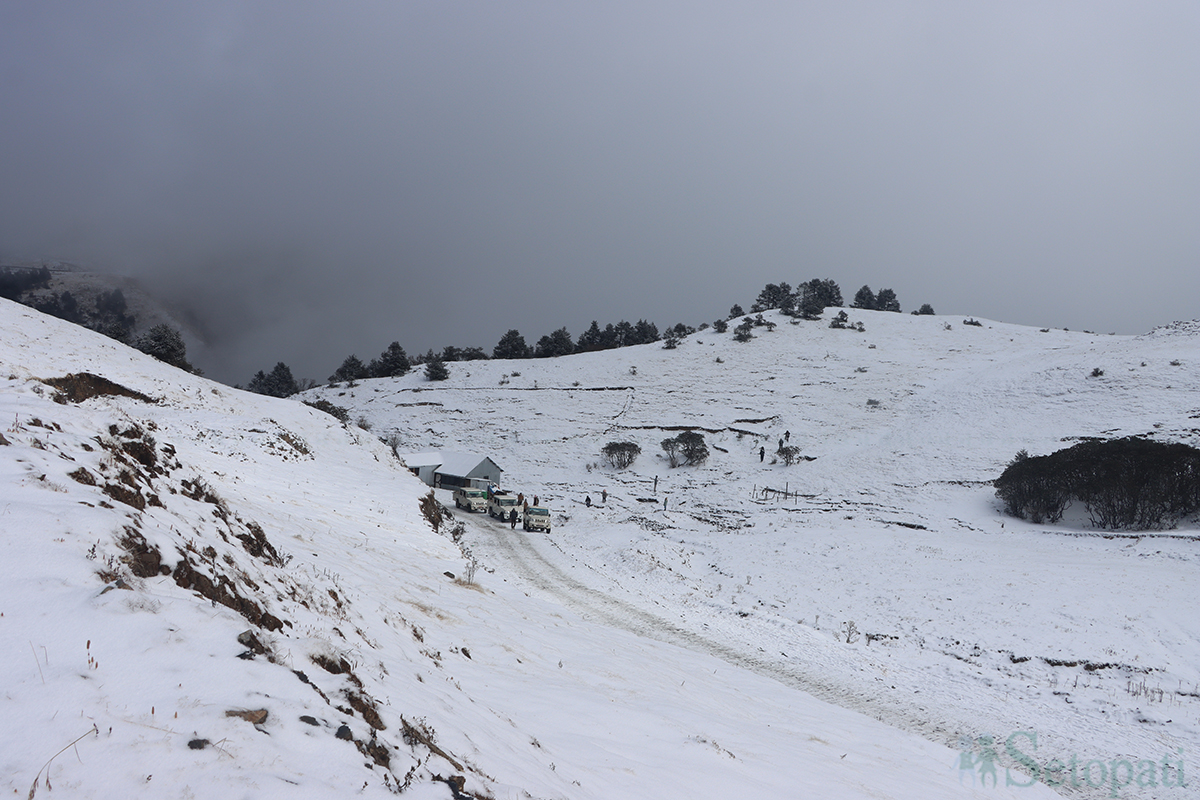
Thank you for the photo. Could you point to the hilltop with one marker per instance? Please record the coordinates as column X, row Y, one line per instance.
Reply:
column 963, row 623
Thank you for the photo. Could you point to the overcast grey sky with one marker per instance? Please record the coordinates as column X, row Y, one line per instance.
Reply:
column 325, row 178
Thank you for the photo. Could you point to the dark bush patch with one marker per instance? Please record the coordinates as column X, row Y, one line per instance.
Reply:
column 144, row 560
column 365, row 706
column 338, row 667
column 1125, row 484
column 83, row 476
column 142, row 452
column 256, row 544
column 126, row 495
column 339, row 413
column 80, row 386
column 431, row 509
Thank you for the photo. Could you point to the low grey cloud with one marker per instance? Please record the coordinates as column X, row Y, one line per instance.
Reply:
column 316, row 179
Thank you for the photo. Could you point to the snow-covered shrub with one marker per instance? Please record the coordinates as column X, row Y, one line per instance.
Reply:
column 620, row 454
column 686, row 448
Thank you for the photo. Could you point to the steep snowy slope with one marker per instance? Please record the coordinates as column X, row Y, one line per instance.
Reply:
column 964, row 625
column 208, row 593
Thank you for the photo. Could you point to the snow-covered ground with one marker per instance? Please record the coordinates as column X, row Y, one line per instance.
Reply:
column 696, row 651
column 970, row 624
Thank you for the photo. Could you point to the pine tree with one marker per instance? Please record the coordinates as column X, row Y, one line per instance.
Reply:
column 279, row 383
column 436, row 370
column 772, row 296
column 164, row 343
column 886, row 301
column 644, row 332
column 816, row 295
column 623, row 334
column 511, row 345
column 589, row 340
column 472, row 354
column 392, row 362
column 555, row 344
column 865, row 299
column 352, row 369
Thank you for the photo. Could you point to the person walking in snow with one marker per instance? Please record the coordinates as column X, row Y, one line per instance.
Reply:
column 588, row 501
column 520, row 498
column 604, row 495
column 762, row 453
column 512, row 519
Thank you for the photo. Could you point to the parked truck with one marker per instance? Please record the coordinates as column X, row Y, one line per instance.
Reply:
column 470, row 499
column 537, row 518
column 501, row 503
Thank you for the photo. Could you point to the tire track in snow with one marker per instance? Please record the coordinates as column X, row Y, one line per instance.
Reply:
column 527, row 564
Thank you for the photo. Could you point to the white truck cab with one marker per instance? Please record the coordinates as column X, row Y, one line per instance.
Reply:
column 501, row 504
column 470, row 499
column 537, row 518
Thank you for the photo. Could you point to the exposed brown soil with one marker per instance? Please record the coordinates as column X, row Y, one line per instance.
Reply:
column 80, row 386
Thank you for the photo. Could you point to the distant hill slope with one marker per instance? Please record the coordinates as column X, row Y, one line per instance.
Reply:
column 210, row 593
column 881, row 574
column 87, row 288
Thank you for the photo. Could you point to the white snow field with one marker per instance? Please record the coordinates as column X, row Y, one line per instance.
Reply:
column 148, row 518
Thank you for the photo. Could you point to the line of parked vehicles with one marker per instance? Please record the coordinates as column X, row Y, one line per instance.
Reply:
column 502, row 505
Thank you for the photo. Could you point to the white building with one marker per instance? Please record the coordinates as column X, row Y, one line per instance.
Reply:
column 445, row 470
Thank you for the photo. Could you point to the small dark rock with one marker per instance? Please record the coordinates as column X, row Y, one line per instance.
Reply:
column 246, row 655
column 199, row 744
column 344, row 733
column 249, row 640
column 449, row 575
column 311, row 720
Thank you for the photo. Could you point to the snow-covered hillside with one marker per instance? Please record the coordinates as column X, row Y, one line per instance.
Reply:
column 966, row 626
column 213, row 594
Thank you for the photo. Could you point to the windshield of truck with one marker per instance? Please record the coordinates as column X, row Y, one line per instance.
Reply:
column 538, row 512
column 506, row 501
column 474, row 493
